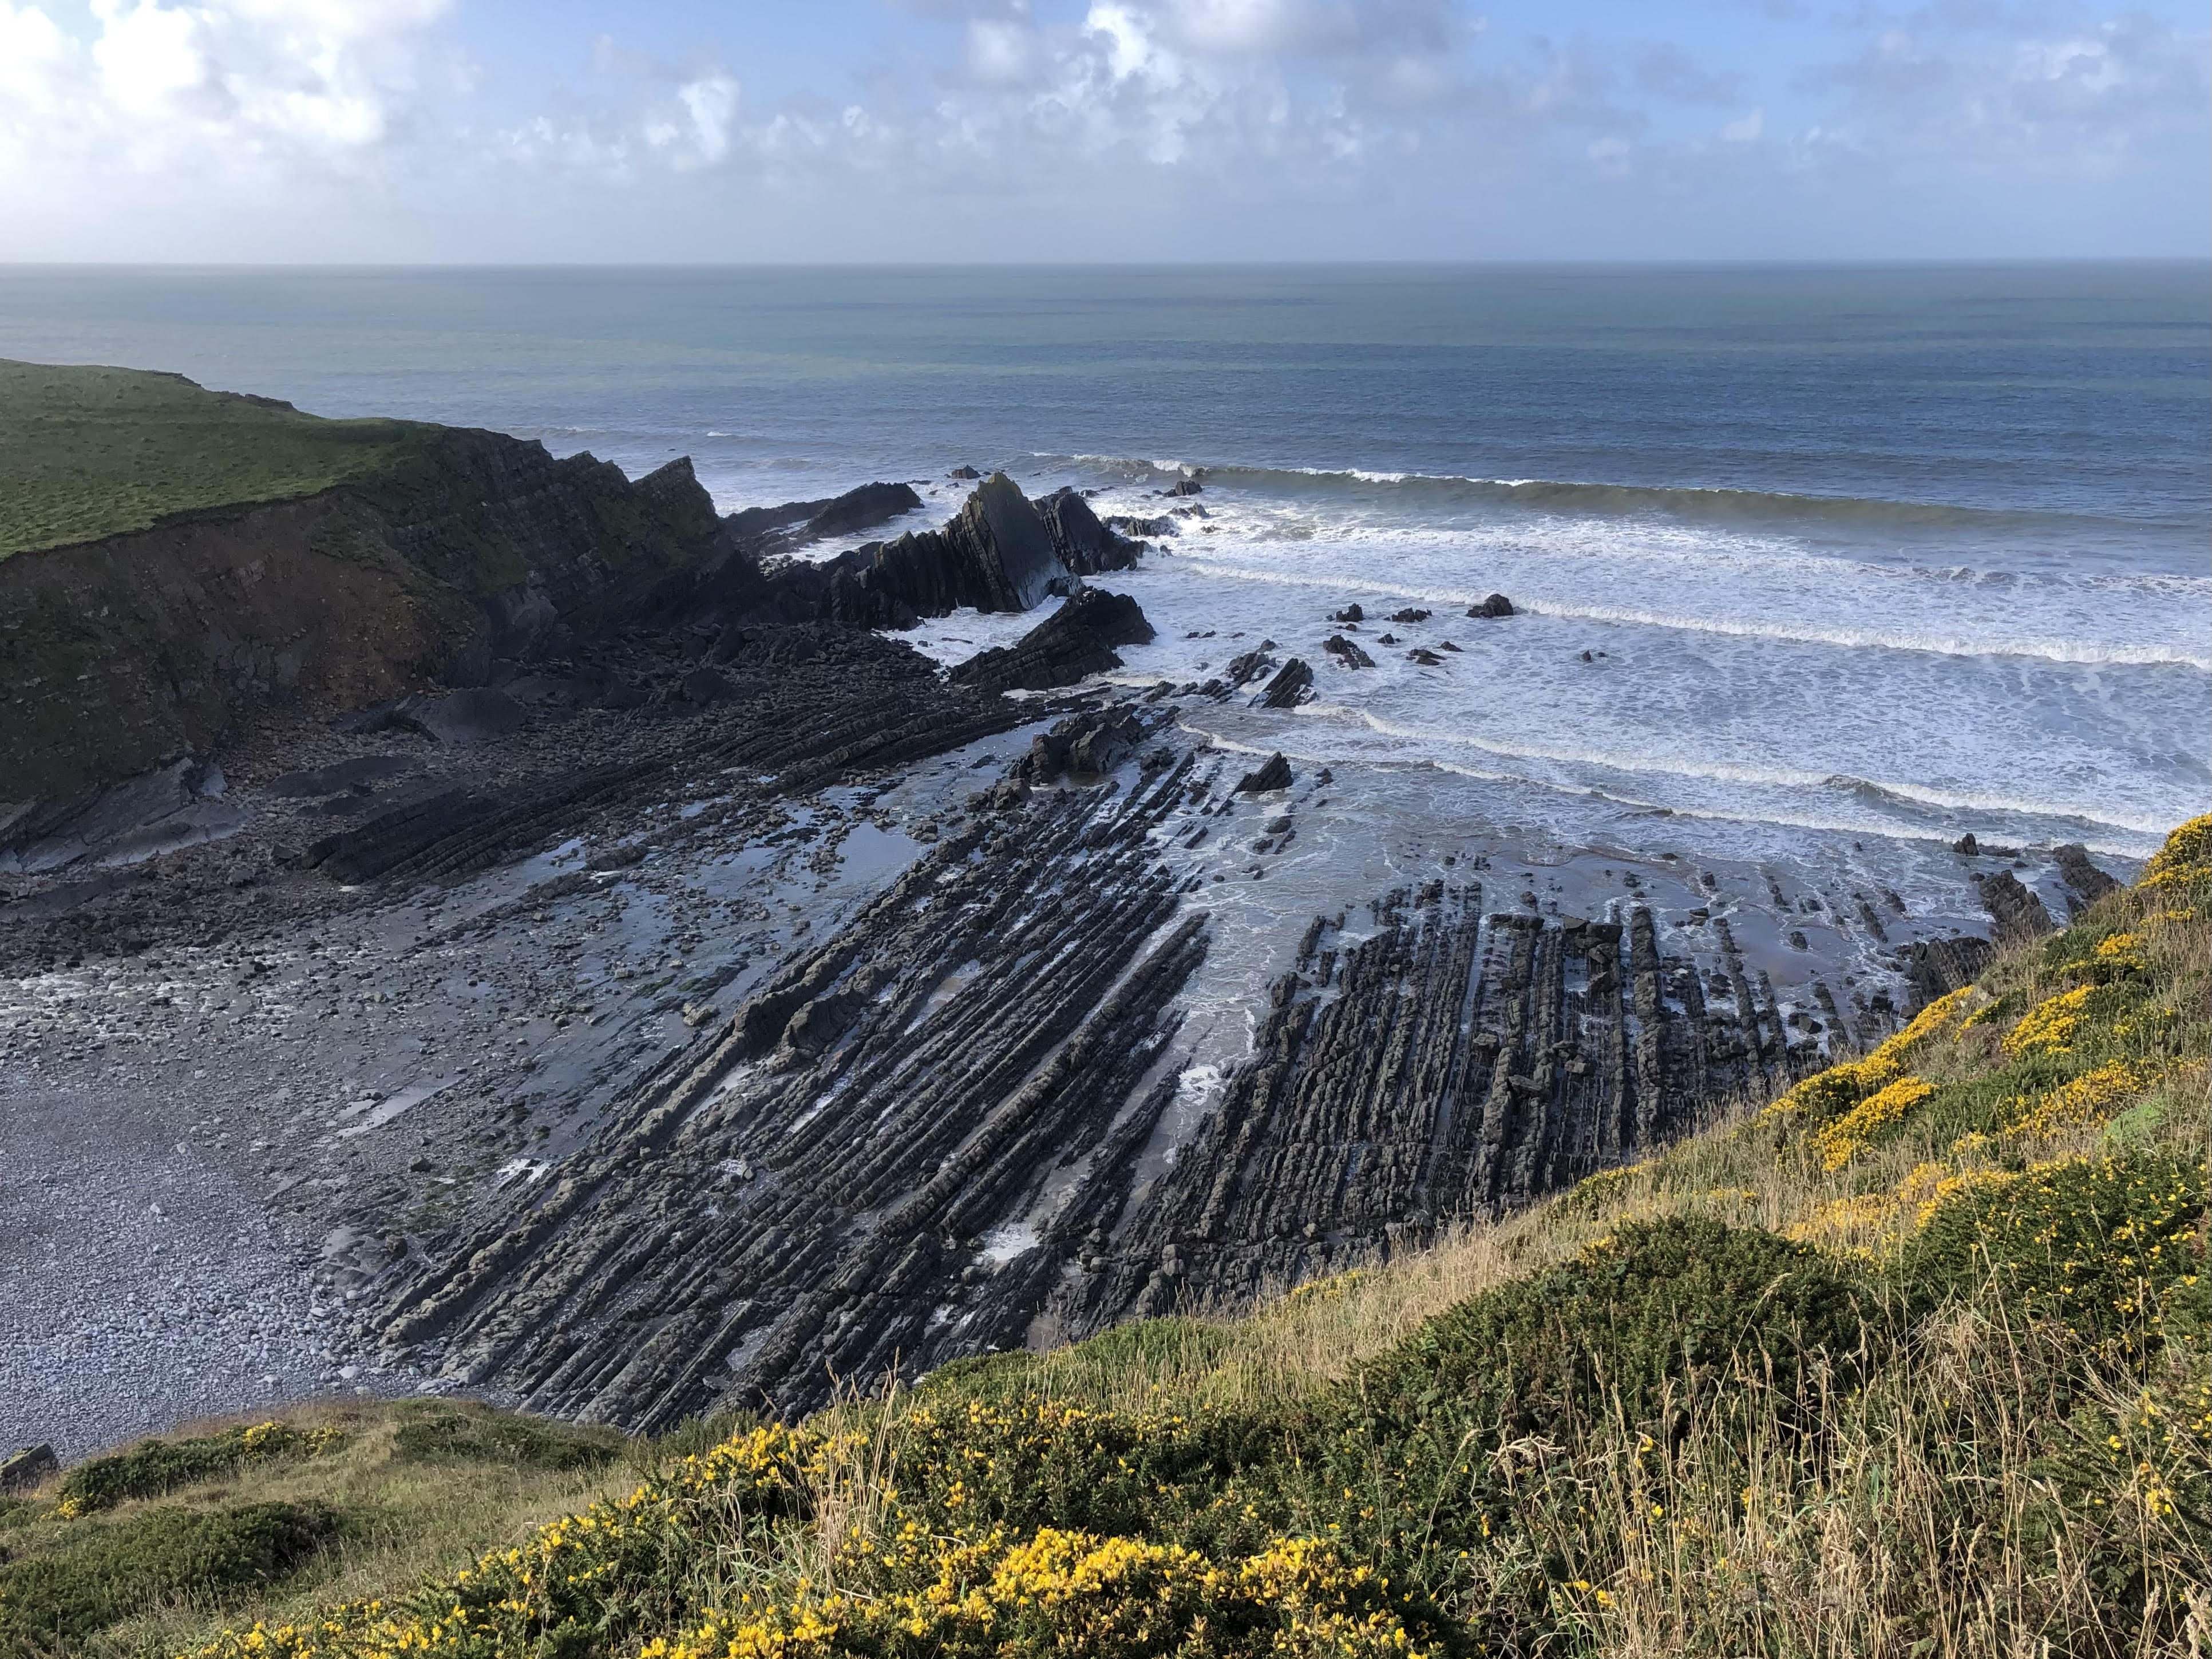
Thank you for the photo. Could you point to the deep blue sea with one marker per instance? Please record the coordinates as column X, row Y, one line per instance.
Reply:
column 1899, row 551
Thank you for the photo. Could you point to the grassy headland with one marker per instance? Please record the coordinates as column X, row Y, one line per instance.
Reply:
column 88, row 452
column 1915, row 1360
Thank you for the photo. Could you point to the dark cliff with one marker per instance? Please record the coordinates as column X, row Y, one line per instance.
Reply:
column 119, row 654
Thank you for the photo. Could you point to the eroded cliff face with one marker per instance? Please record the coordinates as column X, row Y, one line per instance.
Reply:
column 118, row 654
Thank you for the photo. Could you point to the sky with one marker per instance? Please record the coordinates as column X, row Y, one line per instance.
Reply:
column 1051, row 131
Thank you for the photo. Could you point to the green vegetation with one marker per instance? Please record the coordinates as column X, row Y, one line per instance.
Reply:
column 156, row 1547
column 1916, row 1360
column 87, row 453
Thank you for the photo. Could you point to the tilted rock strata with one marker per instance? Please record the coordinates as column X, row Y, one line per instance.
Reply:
column 810, row 1193
column 1076, row 641
column 1447, row 1065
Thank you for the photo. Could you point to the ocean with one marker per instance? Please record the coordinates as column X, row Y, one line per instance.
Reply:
column 1894, row 552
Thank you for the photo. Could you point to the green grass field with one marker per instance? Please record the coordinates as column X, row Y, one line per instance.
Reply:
column 87, row 453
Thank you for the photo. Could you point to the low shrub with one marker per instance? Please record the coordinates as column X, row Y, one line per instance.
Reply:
column 110, row 1571
column 1638, row 1325
column 153, row 1468
column 438, row 1432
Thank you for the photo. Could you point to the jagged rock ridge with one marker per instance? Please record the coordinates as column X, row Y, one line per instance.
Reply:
column 1448, row 1066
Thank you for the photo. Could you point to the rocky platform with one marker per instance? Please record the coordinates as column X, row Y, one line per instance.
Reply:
column 732, row 1003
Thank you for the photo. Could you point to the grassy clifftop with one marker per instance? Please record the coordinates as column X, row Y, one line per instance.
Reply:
column 87, row 451
column 1917, row 1360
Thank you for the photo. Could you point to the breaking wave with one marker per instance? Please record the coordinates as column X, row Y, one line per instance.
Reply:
column 1801, row 633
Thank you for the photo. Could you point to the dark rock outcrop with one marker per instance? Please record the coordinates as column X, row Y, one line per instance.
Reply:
column 861, row 508
column 1448, row 1065
column 1083, row 544
column 747, row 1235
column 1077, row 641
column 2018, row 912
column 1495, row 606
column 1275, row 773
column 2084, row 881
column 1936, row 967
column 996, row 555
column 1346, row 652
column 1409, row 615
column 1292, row 686
column 22, row 1470
column 1088, row 745
column 1351, row 613
column 473, row 547
column 177, row 805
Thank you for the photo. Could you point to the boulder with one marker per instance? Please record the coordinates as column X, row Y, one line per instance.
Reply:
column 964, row 472
column 1495, row 606
column 1351, row 613
column 1346, row 652
column 338, row 776
column 1076, row 641
column 1966, row 846
column 1292, row 686
column 1249, row 665
column 19, row 1471
column 1090, row 744
column 1274, row 773
column 1426, row 658
column 1186, row 487
column 1409, row 615
column 2018, row 913
column 702, row 686
column 1082, row 544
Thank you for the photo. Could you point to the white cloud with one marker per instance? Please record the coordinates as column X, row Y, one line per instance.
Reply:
column 221, row 85
column 1744, row 130
column 1173, row 122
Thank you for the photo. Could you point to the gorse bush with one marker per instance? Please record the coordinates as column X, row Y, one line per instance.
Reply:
column 2112, row 1248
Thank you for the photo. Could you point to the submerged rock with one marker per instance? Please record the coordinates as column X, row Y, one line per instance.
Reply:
column 1249, row 665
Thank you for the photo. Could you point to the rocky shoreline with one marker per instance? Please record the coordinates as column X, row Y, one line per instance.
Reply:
column 729, row 1000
